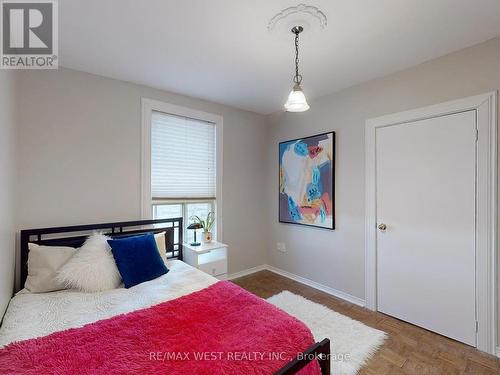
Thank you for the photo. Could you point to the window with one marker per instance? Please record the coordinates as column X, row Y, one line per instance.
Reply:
column 185, row 209
column 182, row 162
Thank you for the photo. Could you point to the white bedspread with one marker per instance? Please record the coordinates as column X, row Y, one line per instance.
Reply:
column 32, row 315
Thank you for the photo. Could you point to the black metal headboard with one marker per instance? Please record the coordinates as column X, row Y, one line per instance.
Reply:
column 58, row 236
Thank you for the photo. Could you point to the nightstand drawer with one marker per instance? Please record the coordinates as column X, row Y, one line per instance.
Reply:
column 215, row 268
column 208, row 257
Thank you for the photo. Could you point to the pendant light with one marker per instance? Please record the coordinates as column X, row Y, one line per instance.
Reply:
column 296, row 100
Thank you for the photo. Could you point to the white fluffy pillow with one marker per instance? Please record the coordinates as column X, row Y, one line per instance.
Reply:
column 43, row 264
column 92, row 268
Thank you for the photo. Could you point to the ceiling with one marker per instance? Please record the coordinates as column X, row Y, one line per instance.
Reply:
column 221, row 50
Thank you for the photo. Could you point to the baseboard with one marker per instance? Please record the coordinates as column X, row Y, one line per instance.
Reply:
column 246, row 272
column 313, row 284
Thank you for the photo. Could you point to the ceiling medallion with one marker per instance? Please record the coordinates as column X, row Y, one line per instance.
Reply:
column 299, row 11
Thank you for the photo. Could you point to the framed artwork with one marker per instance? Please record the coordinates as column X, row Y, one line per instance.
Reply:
column 307, row 181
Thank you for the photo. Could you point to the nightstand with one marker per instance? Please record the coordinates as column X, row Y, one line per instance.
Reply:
column 210, row 258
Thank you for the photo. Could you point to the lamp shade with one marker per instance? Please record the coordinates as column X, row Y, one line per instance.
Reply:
column 296, row 100
column 195, row 226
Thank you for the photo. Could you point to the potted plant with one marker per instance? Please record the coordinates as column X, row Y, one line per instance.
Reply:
column 207, row 226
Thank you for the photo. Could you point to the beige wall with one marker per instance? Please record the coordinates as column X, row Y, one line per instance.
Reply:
column 79, row 155
column 336, row 258
column 7, row 165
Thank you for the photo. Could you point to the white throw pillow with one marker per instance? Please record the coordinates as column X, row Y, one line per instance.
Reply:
column 92, row 268
column 162, row 247
column 43, row 264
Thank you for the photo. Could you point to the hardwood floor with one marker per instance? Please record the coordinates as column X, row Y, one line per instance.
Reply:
column 410, row 350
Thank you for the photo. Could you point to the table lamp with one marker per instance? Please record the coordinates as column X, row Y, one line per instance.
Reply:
column 194, row 227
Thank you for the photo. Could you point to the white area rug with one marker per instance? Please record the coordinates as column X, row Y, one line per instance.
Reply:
column 351, row 342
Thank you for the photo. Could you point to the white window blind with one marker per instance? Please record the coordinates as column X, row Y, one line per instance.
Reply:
column 182, row 157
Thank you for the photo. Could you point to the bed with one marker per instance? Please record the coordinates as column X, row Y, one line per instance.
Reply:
column 183, row 311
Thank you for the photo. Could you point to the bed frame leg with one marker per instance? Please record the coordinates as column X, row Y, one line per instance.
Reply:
column 324, row 357
column 319, row 351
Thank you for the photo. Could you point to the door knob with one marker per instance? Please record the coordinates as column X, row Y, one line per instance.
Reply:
column 382, row 226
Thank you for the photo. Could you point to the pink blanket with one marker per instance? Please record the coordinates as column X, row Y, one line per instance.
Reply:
column 222, row 329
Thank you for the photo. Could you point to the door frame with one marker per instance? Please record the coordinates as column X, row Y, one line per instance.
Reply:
column 486, row 204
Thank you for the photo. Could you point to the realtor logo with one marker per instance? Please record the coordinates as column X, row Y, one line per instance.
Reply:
column 28, row 34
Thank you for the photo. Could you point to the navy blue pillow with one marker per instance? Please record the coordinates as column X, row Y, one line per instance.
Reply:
column 137, row 259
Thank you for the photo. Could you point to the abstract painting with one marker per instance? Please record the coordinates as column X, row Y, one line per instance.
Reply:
column 306, row 181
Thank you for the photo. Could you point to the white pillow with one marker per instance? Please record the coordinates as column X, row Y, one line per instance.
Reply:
column 162, row 247
column 43, row 263
column 92, row 268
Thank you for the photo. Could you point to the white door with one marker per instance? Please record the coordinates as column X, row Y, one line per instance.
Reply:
column 425, row 183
